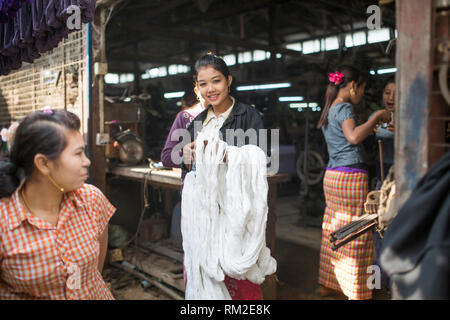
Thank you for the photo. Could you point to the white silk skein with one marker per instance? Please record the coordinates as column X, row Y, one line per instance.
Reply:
column 224, row 217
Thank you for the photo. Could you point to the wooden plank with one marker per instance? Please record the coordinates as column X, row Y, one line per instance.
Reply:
column 142, row 276
column 165, row 251
column 156, row 266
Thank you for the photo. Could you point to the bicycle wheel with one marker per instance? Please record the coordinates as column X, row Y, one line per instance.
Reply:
column 316, row 167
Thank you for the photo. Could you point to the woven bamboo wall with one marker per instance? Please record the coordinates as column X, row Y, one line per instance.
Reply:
column 56, row 79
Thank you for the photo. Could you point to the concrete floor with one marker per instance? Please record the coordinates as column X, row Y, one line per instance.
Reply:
column 297, row 250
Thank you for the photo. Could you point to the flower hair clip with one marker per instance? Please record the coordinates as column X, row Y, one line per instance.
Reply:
column 336, row 78
column 8, row 134
column 47, row 110
column 5, row 134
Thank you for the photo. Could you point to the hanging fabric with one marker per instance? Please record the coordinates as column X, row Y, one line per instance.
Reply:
column 8, row 8
column 224, row 216
column 37, row 27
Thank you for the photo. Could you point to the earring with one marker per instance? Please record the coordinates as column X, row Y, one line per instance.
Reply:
column 54, row 183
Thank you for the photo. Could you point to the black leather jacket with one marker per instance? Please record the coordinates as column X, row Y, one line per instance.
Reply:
column 242, row 116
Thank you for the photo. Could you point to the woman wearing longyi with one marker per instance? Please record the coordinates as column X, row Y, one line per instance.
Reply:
column 345, row 185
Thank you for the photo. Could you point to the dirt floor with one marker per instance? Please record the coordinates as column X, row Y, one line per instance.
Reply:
column 296, row 251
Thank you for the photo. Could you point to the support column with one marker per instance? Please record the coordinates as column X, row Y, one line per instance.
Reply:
column 414, row 61
column 96, row 111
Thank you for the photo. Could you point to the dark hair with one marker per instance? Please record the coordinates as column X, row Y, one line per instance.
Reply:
column 39, row 132
column 213, row 61
column 391, row 79
column 190, row 98
column 350, row 74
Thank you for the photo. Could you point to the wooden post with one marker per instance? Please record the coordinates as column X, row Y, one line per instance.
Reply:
column 63, row 72
column 440, row 110
column 34, row 87
column 269, row 286
column 414, row 61
column 96, row 112
column 273, row 10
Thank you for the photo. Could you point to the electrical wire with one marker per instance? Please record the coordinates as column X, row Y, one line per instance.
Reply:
column 141, row 218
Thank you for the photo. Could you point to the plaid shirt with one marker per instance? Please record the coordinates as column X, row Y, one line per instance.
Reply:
column 42, row 261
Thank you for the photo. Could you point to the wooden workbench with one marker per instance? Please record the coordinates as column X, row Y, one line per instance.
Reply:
column 171, row 180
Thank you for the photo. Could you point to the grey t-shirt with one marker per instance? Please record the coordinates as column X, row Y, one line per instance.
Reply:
column 341, row 152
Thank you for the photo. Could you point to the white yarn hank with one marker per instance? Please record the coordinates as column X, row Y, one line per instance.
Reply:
column 224, row 216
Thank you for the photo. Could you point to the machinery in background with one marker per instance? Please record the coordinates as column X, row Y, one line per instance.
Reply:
column 124, row 124
column 130, row 146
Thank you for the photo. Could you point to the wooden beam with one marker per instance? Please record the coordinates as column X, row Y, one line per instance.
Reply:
column 413, row 91
column 98, row 168
column 170, row 292
column 146, row 12
column 108, row 3
column 359, row 13
column 231, row 11
column 210, row 38
column 145, row 58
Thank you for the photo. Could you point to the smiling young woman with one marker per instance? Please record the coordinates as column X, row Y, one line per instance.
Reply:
column 213, row 80
column 53, row 226
column 223, row 112
column 215, row 87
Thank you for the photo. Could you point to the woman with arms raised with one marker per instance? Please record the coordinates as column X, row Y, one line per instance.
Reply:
column 345, row 185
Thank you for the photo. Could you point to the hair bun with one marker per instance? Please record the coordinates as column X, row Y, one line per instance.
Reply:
column 20, row 173
column 10, row 177
column 7, row 167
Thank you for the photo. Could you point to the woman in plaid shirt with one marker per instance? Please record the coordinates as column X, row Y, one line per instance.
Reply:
column 53, row 226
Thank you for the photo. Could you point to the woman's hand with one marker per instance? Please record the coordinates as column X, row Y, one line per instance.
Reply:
column 383, row 116
column 189, row 154
column 390, row 127
column 224, row 153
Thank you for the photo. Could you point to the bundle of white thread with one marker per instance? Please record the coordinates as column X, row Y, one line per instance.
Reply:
column 224, row 224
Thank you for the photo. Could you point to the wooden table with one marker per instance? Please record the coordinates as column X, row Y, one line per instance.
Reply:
column 171, row 180
column 168, row 180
